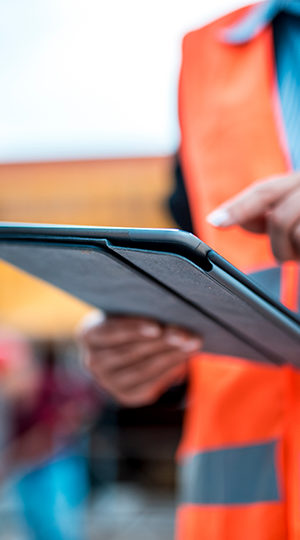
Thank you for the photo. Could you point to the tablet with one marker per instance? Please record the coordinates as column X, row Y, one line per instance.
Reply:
column 165, row 274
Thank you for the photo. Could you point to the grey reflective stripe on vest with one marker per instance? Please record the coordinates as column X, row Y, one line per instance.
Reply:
column 239, row 475
column 269, row 279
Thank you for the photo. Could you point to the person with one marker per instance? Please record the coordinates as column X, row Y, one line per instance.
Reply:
column 239, row 110
column 43, row 449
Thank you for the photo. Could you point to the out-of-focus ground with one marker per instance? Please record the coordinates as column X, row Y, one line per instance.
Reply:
column 120, row 512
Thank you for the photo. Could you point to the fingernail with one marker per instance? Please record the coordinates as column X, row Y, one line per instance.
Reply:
column 93, row 318
column 220, row 218
column 191, row 345
column 150, row 331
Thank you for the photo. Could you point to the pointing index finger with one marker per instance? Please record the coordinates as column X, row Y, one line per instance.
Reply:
column 249, row 207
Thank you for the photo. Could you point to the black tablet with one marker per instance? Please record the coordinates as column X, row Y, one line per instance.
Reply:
column 165, row 274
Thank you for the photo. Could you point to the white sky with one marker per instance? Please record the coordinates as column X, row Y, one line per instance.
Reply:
column 93, row 78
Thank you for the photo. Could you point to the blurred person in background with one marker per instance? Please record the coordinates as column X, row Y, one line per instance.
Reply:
column 239, row 108
column 43, row 450
column 19, row 380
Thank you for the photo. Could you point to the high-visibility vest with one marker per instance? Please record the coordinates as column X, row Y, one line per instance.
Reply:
column 239, row 458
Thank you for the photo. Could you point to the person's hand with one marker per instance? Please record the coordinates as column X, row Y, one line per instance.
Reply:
column 269, row 206
column 136, row 359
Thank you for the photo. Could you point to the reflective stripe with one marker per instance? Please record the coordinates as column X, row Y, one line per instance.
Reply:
column 282, row 283
column 269, row 280
column 239, row 475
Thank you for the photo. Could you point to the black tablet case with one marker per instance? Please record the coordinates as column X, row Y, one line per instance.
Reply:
column 162, row 286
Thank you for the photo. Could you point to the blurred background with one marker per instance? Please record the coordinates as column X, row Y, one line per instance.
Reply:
column 88, row 135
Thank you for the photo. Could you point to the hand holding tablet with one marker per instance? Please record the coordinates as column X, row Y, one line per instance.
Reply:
column 136, row 359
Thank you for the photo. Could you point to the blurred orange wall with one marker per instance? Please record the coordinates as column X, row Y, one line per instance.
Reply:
column 124, row 192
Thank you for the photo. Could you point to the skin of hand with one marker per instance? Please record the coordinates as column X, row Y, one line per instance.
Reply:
column 269, row 206
column 135, row 359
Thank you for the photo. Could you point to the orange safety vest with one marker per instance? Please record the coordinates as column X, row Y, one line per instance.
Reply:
column 239, row 458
